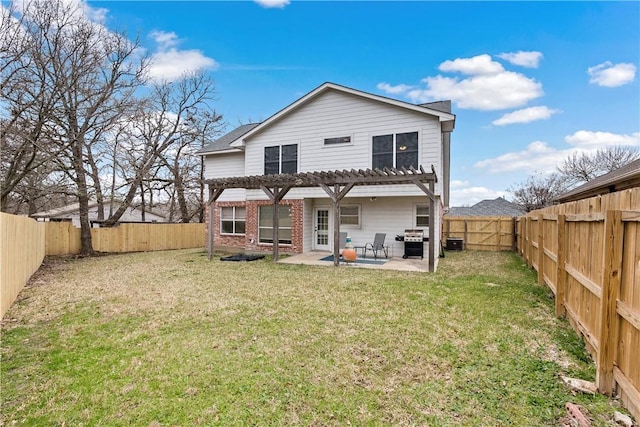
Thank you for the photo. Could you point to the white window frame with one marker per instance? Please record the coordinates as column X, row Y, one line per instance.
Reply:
column 359, row 216
column 270, row 226
column 234, row 219
column 339, row 144
column 415, row 215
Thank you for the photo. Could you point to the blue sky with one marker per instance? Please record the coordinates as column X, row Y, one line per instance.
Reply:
column 531, row 82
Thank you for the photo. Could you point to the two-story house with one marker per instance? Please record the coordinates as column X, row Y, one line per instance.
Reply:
column 332, row 128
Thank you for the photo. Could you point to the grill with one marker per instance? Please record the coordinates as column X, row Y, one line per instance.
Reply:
column 413, row 243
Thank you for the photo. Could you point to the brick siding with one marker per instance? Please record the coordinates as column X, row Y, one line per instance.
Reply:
column 249, row 241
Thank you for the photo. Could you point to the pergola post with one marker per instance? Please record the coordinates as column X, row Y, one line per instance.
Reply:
column 336, row 195
column 276, row 196
column 432, row 228
column 432, row 232
column 214, row 193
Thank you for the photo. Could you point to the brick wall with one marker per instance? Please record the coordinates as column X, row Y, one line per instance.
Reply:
column 249, row 242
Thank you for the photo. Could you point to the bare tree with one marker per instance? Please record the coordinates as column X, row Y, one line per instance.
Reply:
column 80, row 78
column 26, row 106
column 538, row 191
column 582, row 167
column 158, row 142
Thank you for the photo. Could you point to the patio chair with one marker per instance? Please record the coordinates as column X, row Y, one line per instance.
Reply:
column 376, row 246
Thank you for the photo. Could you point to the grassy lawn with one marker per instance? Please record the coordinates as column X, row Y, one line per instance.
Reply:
column 168, row 338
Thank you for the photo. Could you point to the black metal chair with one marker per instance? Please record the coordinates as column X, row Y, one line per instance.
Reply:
column 377, row 246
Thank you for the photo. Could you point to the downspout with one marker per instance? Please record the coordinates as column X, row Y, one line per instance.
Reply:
column 446, row 168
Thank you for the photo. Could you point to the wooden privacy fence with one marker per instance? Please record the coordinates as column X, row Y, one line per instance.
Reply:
column 24, row 243
column 485, row 233
column 21, row 253
column 62, row 238
column 588, row 253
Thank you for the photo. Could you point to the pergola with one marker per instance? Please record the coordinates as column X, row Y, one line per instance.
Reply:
column 336, row 184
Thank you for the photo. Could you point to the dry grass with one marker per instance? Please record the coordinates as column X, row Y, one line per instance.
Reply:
column 171, row 339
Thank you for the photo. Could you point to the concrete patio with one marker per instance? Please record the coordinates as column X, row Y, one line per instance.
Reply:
column 392, row 263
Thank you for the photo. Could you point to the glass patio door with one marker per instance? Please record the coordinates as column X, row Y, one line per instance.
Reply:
column 322, row 239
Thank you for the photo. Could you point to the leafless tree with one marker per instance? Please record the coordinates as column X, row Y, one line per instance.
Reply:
column 582, row 167
column 158, row 143
column 26, row 106
column 79, row 79
column 538, row 191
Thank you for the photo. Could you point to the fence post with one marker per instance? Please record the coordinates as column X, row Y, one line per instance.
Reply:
column 466, row 236
column 514, row 234
column 529, row 243
column 540, row 249
column 561, row 274
column 608, row 337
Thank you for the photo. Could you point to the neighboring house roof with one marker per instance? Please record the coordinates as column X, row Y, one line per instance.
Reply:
column 495, row 207
column 223, row 143
column 446, row 118
column 74, row 208
column 627, row 176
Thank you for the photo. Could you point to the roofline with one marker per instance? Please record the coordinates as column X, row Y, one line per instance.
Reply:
column 227, row 151
column 604, row 184
column 442, row 116
column 92, row 204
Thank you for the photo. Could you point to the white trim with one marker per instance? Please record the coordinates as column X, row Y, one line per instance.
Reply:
column 415, row 215
column 340, row 144
column 314, row 236
column 227, row 151
column 351, row 226
column 233, row 220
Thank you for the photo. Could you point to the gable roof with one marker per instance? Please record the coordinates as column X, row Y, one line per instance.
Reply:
column 495, row 207
column 223, row 143
column 628, row 176
column 444, row 117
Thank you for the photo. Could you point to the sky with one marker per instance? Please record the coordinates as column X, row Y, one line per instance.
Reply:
column 530, row 82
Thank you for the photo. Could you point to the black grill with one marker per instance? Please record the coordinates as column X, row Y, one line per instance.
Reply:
column 413, row 243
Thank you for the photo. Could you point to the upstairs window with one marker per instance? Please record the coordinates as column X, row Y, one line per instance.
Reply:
column 281, row 159
column 395, row 151
column 337, row 141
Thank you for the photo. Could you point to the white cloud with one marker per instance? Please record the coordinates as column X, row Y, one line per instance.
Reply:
column 538, row 156
column 598, row 140
column 467, row 195
column 610, row 75
column 523, row 59
column 488, row 86
column 269, row 4
column 525, row 115
column 164, row 39
column 393, row 90
column 481, row 64
column 170, row 63
column 484, row 92
column 456, row 183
